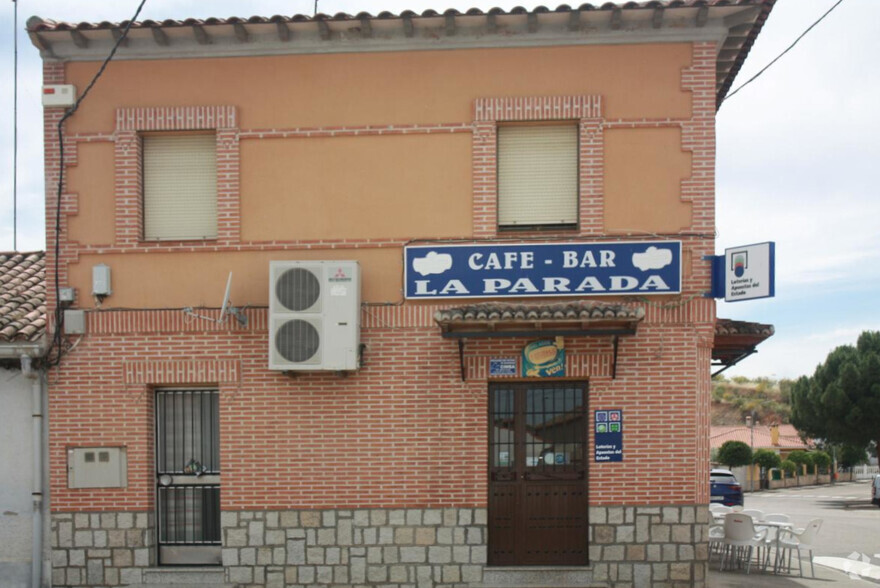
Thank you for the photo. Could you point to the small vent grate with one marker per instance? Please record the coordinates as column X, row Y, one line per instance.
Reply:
column 297, row 340
column 297, row 289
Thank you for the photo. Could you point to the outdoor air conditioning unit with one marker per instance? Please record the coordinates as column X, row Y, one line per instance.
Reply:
column 314, row 315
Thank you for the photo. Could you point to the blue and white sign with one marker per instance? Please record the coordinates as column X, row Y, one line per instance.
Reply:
column 502, row 366
column 608, row 435
column 750, row 272
column 746, row 272
column 542, row 269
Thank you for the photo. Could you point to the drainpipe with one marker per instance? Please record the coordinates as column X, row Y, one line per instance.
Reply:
column 37, row 470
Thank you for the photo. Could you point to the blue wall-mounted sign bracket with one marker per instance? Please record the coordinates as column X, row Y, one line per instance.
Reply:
column 717, row 262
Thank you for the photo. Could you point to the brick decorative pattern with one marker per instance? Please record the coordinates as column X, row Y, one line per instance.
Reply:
column 130, row 122
column 698, row 137
column 181, row 373
column 488, row 112
column 354, row 131
column 522, row 108
column 101, row 549
column 176, row 118
column 53, row 73
column 387, row 547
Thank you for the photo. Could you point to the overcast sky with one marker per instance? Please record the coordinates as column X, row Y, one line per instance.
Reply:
column 795, row 150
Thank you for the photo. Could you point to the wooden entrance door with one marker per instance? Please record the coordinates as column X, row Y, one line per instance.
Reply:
column 538, row 474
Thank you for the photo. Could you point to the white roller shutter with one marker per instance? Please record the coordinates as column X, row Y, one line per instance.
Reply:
column 537, row 175
column 180, row 187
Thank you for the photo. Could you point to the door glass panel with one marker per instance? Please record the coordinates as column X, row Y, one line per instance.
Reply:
column 554, row 423
column 502, row 441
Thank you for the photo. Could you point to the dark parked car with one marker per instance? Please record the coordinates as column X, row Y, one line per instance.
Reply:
column 875, row 491
column 725, row 489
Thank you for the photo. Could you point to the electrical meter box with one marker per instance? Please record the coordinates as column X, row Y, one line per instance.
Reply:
column 97, row 467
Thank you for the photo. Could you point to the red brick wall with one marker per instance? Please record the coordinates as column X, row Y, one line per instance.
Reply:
column 404, row 430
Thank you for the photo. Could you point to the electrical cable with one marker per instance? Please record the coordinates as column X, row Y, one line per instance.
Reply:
column 57, row 338
column 778, row 57
column 15, row 128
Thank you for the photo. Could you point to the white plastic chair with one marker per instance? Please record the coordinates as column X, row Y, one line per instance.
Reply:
column 773, row 531
column 718, row 511
column 716, row 538
column 796, row 539
column 757, row 515
column 741, row 538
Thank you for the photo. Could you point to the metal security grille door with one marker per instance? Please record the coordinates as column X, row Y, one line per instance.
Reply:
column 188, row 476
column 538, row 474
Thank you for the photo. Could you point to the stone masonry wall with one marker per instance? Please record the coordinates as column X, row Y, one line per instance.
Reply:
column 397, row 547
column 101, row 549
column 641, row 546
column 630, row 547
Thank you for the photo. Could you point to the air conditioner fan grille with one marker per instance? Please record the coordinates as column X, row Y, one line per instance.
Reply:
column 297, row 341
column 297, row 289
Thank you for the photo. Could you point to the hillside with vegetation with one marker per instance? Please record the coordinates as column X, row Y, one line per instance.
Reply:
column 736, row 398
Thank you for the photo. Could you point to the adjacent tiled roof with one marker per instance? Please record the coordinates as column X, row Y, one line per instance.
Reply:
column 789, row 439
column 736, row 340
column 732, row 327
column 22, row 297
column 731, row 55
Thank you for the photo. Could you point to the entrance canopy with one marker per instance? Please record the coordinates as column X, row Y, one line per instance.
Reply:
column 578, row 318
column 735, row 341
column 566, row 319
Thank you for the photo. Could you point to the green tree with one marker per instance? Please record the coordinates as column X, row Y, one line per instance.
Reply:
column 800, row 458
column 735, row 453
column 850, row 455
column 766, row 458
column 840, row 402
column 822, row 460
column 788, row 467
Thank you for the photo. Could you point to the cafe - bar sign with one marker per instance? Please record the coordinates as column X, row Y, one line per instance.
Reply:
column 542, row 269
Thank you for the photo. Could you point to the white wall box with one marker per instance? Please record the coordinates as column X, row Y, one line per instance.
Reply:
column 97, row 467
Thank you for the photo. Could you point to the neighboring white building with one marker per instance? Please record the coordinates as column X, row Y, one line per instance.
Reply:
column 23, row 526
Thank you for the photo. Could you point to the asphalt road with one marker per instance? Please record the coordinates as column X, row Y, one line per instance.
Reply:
column 849, row 541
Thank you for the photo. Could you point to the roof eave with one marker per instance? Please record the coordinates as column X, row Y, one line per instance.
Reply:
column 732, row 24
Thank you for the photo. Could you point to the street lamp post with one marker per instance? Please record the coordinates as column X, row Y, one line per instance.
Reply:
column 750, row 422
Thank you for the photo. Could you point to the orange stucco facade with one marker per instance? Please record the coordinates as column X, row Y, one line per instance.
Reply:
column 317, row 185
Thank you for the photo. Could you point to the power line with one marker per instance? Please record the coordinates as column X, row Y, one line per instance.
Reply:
column 789, row 48
column 57, row 338
column 15, row 127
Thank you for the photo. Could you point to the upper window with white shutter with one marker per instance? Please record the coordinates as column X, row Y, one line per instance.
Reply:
column 180, row 186
column 538, row 176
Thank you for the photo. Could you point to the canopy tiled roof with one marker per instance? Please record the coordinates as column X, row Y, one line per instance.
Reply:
column 789, row 438
column 741, row 19
column 22, row 297
column 578, row 317
column 736, row 340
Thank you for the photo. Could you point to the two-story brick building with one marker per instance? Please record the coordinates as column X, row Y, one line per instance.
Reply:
column 463, row 333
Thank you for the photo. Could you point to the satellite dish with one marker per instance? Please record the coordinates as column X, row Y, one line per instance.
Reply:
column 224, row 307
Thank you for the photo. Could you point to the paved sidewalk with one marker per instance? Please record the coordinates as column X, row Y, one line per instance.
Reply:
column 825, row 577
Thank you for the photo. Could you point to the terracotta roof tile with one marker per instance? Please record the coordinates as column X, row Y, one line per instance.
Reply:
column 564, row 311
column 731, row 327
column 789, row 439
column 726, row 72
column 22, row 296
